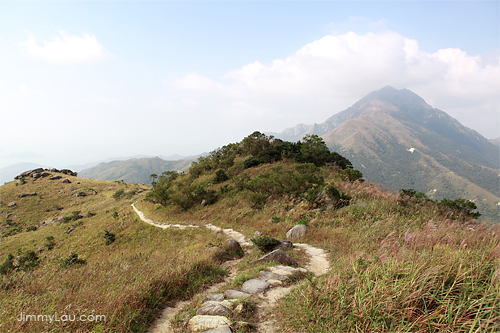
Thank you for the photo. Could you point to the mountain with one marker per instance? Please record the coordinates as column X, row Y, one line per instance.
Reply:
column 496, row 142
column 396, row 139
column 8, row 173
column 136, row 170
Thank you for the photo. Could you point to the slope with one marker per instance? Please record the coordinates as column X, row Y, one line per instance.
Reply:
column 136, row 170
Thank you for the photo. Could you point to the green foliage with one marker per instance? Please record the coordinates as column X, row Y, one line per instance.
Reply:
column 115, row 215
column 462, row 205
column 224, row 189
column 220, row 176
column 27, row 261
column 49, row 242
column 303, row 222
column 275, row 219
column 90, row 214
column 8, row 265
column 73, row 260
column 75, row 215
column 21, row 181
column 251, row 162
column 332, row 192
column 314, row 150
column 255, row 143
column 109, row 237
column 118, row 194
column 31, row 228
column 413, row 194
column 69, row 172
column 265, row 243
column 353, row 174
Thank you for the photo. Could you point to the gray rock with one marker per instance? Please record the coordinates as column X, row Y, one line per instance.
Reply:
column 66, row 181
column 235, row 294
column 204, row 322
column 44, row 174
column 9, row 216
column 40, row 250
column 36, row 175
column 55, row 177
column 278, row 256
column 213, row 310
column 222, row 329
column 257, row 234
column 285, row 244
column 218, row 251
column 298, row 231
column 234, row 247
column 214, row 297
column 203, row 202
column 70, row 230
column 266, row 276
column 255, row 286
column 29, row 194
column 11, row 204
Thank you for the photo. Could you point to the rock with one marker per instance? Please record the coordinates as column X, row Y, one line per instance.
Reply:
column 40, row 250
column 298, row 231
column 78, row 182
column 70, row 230
column 257, row 234
column 9, row 216
column 218, row 252
column 36, row 175
column 60, row 219
column 267, row 276
column 285, row 244
column 215, row 297
column 222, row 329
column 94, row 193
column 200, row 322
column 66, row 181
column 235, row 294
column 203, row 202
column 29, row 194
column 234, row 248
column 55, row 177
column 255, row 286
column 44, row 174
column 278, row 256
column 11, row 204
column 213, row 310
column 239, row 309
column 275, row 283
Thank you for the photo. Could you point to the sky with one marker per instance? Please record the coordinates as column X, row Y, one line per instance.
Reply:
column 82, row 81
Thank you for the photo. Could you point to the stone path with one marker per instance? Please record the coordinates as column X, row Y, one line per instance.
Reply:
column 265, row 290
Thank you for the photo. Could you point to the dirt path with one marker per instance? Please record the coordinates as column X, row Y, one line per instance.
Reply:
column 318, row 265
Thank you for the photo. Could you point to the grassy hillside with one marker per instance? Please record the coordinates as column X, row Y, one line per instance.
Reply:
column 128, row 281
column 136, row 170
column 399, row 262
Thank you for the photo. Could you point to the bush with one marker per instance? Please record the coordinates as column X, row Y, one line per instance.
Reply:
column 115, row 215
column 303, row 222
column 220, row 176
column 28, row 261
column 90, row 214
column 49, row 242
column 332, row 192
column 265, row 243
column 72, row 260
column 8, row 265
column 353, row 174
column 462, row 205
column 118, row 194
column 109, row 237
column 31, row 228
column 251, row 162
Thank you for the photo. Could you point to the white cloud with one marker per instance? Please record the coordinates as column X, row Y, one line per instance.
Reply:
column 329, row 74
column 67, row 48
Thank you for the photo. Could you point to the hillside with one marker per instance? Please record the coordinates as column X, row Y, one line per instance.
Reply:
column 496, row 142
column 436, row 267
column 400, row 141
column 136, row 170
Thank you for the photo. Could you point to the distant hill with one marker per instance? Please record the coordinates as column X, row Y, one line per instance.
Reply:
column 496, row 142
column 8, row 173
column 136, row 170
column 396, row 139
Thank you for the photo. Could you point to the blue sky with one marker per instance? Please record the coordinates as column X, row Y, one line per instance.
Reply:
column 83, row 81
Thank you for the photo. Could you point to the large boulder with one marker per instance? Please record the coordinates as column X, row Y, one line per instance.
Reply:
column 298, row 231
column 29, row 194
column 234, row 248
column 285, row 244
column 278, row 256
column 55, row 177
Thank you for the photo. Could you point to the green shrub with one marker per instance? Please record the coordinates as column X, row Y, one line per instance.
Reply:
column 90, row 214
column 251, row 162
column 109, row 237
column 115, row 215
column 265, row 243
column 72, row 260
column 275, row 219
column 8, row 265
column 27, row 261
column 220, row 176
column 49, row 242
column 118, row 194
column 31, row 228
column 225, row 189
column 353, row 174
column 462, row 205
column 332, row 192
column 303, row 222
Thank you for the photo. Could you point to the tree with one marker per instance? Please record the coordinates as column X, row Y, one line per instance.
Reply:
column 255, row 143
column 314, row 150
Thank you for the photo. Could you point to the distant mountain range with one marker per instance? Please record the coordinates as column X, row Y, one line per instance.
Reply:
column 135, row 170
column 398, row 140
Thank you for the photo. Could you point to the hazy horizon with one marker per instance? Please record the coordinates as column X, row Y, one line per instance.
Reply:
column 87, row 81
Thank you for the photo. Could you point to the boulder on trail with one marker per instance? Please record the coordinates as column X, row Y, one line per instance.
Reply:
column 200, row 322
column 214, row 297
column 234, row 248
column 279, row 256
column 230, row 294
column 285, row 244
column 213, row 309
column 255, row 286
column 298, row 231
